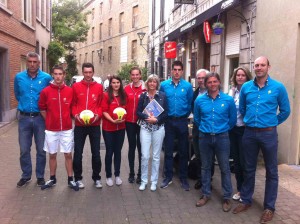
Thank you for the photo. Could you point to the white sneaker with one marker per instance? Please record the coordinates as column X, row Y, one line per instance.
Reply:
column 109, row 182
column 153, row 187
column 80, row 184
column 98, row 184
column 142, row 187
column 236, row 196
column 118, row 181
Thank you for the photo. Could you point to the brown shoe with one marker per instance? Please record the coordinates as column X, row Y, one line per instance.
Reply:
column 241, row 208
column 203, row 200
column 266, row 216
column 226, row 205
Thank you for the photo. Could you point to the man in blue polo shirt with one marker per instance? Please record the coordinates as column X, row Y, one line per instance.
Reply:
column 215, row 115
column 27, row 87
column 179, row 95
column 259, row 101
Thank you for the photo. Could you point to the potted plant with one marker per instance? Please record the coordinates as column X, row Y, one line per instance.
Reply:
column 218, row 28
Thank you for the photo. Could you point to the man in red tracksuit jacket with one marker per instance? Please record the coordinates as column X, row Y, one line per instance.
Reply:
column 87, row 95
column 55, row 107
column 133, row 92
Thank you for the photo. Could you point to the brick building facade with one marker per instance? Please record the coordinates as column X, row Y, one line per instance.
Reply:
column 112, row 39
column 18, row 36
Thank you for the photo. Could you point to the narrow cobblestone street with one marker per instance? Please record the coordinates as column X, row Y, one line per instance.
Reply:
column 126, row 204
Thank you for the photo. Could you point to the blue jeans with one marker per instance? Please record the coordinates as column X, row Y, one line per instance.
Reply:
column 152, row 140
column 267, row 141
column 29, row 127
column 195, row 133
column 236, row 149
column 176, row 128
column 219, row 145
column 113, row 143
column 133, row 136
column 80, row 134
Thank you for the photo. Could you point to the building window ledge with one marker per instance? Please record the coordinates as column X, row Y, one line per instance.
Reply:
column 28, row 25
column 2, row 7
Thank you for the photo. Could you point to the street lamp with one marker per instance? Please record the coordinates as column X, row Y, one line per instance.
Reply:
column 141, row 36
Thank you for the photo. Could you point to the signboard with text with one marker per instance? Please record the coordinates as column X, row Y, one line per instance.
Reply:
column 170, row 49
column 184, row 1
column 207, row 32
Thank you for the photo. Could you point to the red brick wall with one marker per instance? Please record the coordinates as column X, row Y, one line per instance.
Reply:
column 17, row 38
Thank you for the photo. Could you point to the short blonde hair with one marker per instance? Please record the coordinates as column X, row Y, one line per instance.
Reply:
column 152, row 77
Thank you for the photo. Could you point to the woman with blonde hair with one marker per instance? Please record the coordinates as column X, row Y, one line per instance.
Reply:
column 152, row 133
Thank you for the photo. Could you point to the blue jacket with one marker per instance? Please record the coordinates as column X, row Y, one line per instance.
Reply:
column 259, row 105
column 215, row 115
column 179, row 97
column 27, row 90
column 160, row 97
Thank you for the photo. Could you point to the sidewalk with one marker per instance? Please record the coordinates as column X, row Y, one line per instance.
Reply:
column 126, row 204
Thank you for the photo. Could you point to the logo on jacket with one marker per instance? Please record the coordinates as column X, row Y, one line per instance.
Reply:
column 269, row 92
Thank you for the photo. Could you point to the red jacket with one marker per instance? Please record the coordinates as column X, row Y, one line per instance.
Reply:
column 87, row 96
column 56, row 101
column 133, row 95
column 109, row 108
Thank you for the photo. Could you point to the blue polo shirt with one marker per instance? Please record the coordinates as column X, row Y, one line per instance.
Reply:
column 179, row 97
column 259, row 105
column 215, row 115
column 27, row 90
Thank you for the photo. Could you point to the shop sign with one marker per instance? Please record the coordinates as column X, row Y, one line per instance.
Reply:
column 207, row 31
column 170, row 49
column 184, row 1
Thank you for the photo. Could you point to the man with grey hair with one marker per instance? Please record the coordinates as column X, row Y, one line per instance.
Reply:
column 200, row 76
column 27, row 87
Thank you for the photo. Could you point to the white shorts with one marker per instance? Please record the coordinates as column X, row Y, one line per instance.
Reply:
column 64, row 140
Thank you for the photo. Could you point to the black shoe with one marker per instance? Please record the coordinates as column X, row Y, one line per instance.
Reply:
column 73, row 185
column 50, row 183
column 40, row 182
column 23, row 181
column 138, row 179
column 131, row 179
column 198, row 185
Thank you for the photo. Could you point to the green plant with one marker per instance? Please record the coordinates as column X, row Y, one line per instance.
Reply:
column 125, row 69
column 218, row 25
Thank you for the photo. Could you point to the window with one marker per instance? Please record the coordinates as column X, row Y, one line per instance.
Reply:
column 109, row 56
column 100, row 54
column 80, row 59
column 27, row 11
column 93, row 34
column 121, row 23
column 38, row 12
column 93, row 53
column 134, row 50
column 162, row 14
column 110, row 4
column 85, row 57
column 110, row 27
column 100, row 31
column 23, row 65
column 93, row 13
column 48, row 14
column 101, row 8
column 43, row 11
column 37, row 47
column 121, row 1
column 135, row 17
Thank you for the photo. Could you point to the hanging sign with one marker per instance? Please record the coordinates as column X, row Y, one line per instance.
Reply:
column 170, row 49
column 207, row 32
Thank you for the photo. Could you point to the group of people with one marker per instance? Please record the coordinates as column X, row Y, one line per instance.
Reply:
column 241, row 123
